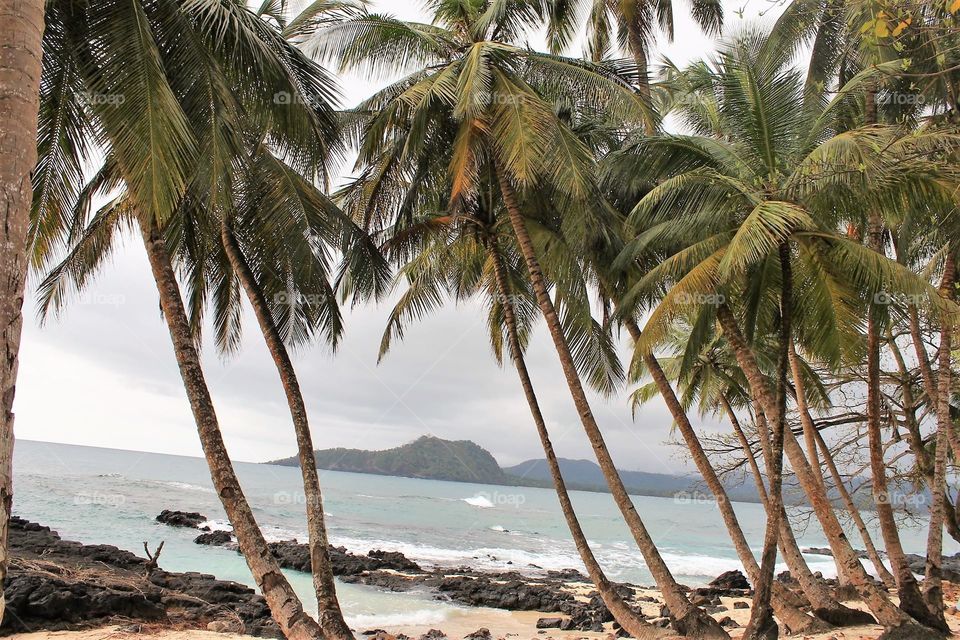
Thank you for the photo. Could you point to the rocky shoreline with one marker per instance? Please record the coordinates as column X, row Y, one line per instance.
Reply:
column 55, row 584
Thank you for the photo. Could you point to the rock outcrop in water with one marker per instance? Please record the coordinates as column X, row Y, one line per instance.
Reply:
column 57, row 584
column 187, row 519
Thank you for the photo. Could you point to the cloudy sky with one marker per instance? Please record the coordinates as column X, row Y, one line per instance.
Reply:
column 104, row 374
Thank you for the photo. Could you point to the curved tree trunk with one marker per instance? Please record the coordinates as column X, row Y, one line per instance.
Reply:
column 897, row 623
column 796, row 621
column 761, row 624
column 633, row 623
column 908, row 589
column 285, row 606
column 329, row 614
column 854, row 512
column 687, row 619
column 824, row 605
column 930, row 382
column 812, row 437
column 924, row 461
column 932, row 584
column 21, row 32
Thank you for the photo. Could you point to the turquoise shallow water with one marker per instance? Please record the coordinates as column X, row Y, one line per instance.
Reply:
column 112, row 496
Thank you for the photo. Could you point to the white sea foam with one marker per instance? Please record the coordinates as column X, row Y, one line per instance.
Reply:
column 185, row 486
column 479, row 501
column 408, row 618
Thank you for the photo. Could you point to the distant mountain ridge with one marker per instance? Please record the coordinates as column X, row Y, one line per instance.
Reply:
column 433, row 458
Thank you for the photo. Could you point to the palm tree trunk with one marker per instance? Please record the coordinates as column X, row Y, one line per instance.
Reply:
column 929, row 379
column 891, row 617
column 761, row 624
column 812, row 435
column 329, row 614
column 908, row 589
column 924, row 461
column 284, row 604
column 687, row 619
column 21, row 32
column 932, row 584
column 622, row 613
column 854, row 512
column 796, row 621
column 638, row 49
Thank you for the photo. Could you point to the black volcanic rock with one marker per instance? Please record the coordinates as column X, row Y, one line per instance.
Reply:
column 730, row 580
column 57, row 584
column 188, row 519
column 214, row 538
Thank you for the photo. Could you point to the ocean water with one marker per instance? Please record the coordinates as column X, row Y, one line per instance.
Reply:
column 111, row 496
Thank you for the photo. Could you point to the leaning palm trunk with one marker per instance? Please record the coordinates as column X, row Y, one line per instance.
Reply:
column 687, row 619
column 762, row 624
column 631, row 621
column 328, row 606
column 812, row 437
column 924, row 459
column 21, row 34
column 932, row 584
column 796, row 621
column 823, row 604
column 854, row 512
column 284, row 604
column 888, row 615
column 911, row 601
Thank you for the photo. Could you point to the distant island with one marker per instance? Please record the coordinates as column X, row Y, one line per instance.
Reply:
column 433, row 458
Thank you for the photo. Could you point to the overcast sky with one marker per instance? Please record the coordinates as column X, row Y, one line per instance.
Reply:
column 104, row 373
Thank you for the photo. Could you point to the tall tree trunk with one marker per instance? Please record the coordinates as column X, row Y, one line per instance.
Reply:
column 823, row 603
column 854, row 512
column 928, row 378
column 932, row 584
column 806, row 419
column 638, row 49
column 329, row 614
column 632, row 622
column 897, row 623
column 796, row 621
column 761, row 624
column 285, row 606
column 687, row 619
column 924, row 461
column 812, row 436
column 908, row 589
column 21, row 35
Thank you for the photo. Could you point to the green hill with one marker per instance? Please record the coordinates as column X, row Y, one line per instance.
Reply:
column 425, row 457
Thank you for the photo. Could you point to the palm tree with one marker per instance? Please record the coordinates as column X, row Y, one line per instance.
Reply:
column 770, row 181
column 712, row 382
column 467, row 67
column 464, row 256
column 19, row 90
column 613, row 23
column 222, row 86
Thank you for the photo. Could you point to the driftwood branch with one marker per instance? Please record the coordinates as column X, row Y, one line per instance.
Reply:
column 152, row 557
